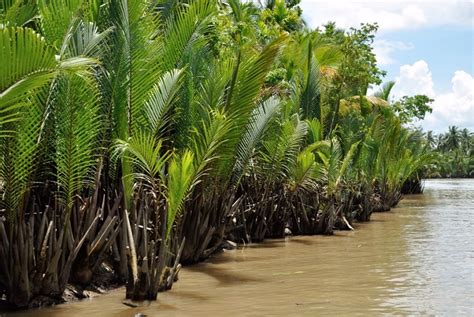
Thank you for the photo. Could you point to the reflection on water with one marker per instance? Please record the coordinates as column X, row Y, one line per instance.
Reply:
column 417, row 259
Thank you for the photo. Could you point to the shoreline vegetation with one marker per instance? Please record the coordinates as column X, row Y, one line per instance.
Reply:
column 453, row 154
column 139, row 136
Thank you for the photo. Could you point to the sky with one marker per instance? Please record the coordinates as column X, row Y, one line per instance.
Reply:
column 426, row 46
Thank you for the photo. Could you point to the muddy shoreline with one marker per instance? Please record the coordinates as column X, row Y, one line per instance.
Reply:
column 102, row 283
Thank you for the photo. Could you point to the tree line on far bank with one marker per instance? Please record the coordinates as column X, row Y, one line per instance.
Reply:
column 453, row 153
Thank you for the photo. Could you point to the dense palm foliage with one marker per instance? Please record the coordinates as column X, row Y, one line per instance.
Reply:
column 454, row 153
column 142, row 134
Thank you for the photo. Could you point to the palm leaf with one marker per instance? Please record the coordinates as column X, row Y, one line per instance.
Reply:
column 279, row 153
column 210, row 138
column 184, row 29
column 77, row 128
column 19, row 157
column 306, row 171
column 385, row 90
column 84, row 39
column 57, row 16
column 17, row 12
column 310, row 94
column 242, row 95
column 181, row 176
column 348, row 159
column 31, row 65
column 161, row 98
column 253, row 134
column 144, row 153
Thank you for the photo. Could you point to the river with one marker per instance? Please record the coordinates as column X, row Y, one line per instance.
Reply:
column 417, row 259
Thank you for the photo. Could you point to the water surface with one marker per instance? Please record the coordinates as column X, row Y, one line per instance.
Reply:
column 417, row 259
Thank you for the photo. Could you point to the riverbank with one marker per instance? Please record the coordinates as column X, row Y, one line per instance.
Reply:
column 103, row 282
column 415, row 259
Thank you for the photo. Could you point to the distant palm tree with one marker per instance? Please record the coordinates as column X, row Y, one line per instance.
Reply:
column 440, row 142
column 452, row 139
column 466, row 140
column 431, row 139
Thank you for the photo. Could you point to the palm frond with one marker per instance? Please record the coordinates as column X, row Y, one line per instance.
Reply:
column 184, row 29
column 135, row 62
column 160, row 101
column 17, row 12
column 310, row 93
column 144, row 152
column 315, row 130
column 31, row 65
column 84, row 39
column 279, row 153
column 385, row 90
column 181, row 176
column 77, row 128
column 346, row 162
column 305, row 172
column 209, row 141
column 241, row 98
column 19, row 157
column 261, row 117
column 57, row 16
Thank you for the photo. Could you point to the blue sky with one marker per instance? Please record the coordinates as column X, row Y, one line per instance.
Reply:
column 445, row 49
column 426, row 46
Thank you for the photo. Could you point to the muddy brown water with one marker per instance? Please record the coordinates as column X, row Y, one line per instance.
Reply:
column 417, row 259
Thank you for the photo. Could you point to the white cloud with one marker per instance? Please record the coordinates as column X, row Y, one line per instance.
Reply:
column 455, row 107
column 389, row 14
column 384, row 49
column 414, row 79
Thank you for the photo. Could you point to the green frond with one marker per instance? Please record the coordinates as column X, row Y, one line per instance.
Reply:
column 254, row 131
column 210, row 137
column 279, row 153
column 304, row 172
column 84, row 39
column 31, row 65
column 144, row 153
column 133, row 67
column 181, row 176
column 19, row 156
column 385, row 90
column 212, row 91
column 327, row 55
column 310, row 103
column 319, row 146
column 346, row 162
column 295, row 142
column 315, row 130
column 184, row 29
column 77, row 128
column 17, row 12
column 242, row 96
column 135, row 62
column 333, row 164
column 161, row 98
column 57, row 16
column 251, row 74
